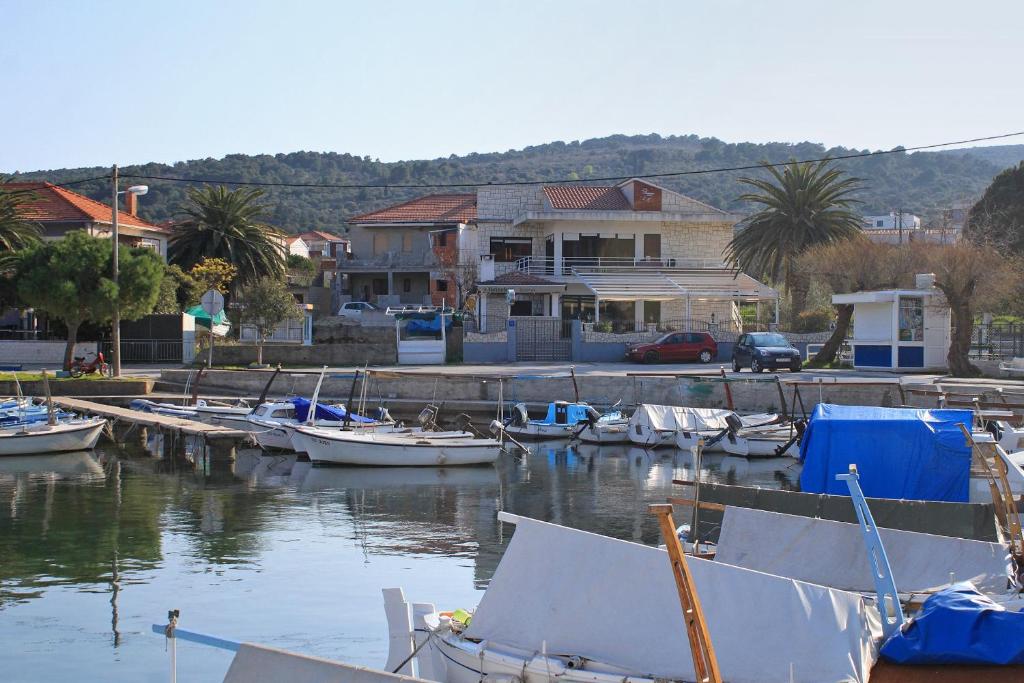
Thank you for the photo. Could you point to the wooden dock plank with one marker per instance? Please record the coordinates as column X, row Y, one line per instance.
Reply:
column 164, row 422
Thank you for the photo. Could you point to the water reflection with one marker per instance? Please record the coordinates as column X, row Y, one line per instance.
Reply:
column 178, row 529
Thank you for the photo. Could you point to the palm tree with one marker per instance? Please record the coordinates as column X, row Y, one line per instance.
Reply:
column 223, row 223
column 16, row 232
column 805, row 204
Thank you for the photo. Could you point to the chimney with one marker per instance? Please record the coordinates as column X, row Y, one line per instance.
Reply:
column 131, row 203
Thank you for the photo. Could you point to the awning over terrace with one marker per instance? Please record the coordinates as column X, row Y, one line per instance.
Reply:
column 672, row 284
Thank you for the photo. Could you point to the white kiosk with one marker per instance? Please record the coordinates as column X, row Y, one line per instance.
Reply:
column 900, row 329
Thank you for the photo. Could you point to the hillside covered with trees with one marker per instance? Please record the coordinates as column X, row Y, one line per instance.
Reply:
column 922, row 183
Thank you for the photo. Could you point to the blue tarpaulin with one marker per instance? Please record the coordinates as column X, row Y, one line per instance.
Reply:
column 420, row 326
column 323, row 412
column 901, row 453
column 959, row 625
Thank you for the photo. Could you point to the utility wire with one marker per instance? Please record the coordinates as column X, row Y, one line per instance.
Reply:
column 69, row 183
column 390, row 186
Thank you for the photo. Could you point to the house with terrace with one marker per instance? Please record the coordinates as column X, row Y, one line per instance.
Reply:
column 411, row 253
column 630, row 257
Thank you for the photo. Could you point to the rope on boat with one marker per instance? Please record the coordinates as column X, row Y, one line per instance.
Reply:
column 430, row 634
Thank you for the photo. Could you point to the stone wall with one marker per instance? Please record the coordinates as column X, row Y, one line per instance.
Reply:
column 40, row 352
column 694, row 240
column 508, row 202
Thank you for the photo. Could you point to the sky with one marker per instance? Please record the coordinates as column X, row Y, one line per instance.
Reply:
column 95, row 83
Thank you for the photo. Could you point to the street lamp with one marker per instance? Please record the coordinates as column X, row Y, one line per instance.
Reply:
column 137, row 190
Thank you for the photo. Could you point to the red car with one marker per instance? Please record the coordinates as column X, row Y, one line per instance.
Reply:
column 675, row 346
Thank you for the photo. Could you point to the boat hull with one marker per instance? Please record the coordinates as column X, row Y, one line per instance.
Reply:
column 540, row 431
column 59, row 438
column 383, row 450
column 759, row 446
column 606, row 432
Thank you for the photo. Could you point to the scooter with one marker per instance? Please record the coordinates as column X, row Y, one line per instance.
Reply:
column 98, row 364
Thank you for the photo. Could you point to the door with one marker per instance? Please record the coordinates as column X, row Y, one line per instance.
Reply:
column 521, row 308
column 652, row 247
column 674, row 347
column 742, row 350
column 691, row 348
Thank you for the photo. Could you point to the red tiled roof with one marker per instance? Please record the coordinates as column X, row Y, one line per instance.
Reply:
column 52, row 203
column 325, row 236
column 515, row 277
column 589, row 197
column 433, row 208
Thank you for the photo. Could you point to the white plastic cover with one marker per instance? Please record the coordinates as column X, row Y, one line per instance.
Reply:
column 616, row 602
column 833, row 553
column 672, row 418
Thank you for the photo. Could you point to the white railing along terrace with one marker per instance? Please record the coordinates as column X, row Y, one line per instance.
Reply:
column 543, row 265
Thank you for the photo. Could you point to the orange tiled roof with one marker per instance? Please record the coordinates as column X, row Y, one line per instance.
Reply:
column 325, row 236
column 588, row 197
column 53, row 203
column 433, row 208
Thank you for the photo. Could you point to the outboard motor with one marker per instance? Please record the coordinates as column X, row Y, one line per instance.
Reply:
column 519, row 416
column 428, row 417
column 734, row 422
column 593, row 416
column 462, row 422
column 382, row 415
column 733, row 425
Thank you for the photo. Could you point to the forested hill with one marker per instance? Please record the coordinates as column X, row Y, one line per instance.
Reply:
column 923, row 183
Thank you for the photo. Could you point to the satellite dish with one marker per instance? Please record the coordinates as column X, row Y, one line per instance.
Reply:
column 212, row 302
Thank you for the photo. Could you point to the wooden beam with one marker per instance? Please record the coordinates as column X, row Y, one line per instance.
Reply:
column 705, row 664
column 703, row 505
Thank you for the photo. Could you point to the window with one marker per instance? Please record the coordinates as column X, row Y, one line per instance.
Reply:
column 442, row 285
column 652, row 247
column 507, row 249
column 911, row 319
column 652, row 311
column 407, row 243
column 380, row 286
column 380, row 244
column 407, row 285
column 879, row 224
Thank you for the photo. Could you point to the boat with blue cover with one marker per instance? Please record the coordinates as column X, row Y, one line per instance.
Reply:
column 564, row 420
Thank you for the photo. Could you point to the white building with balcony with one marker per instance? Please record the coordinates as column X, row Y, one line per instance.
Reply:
column 631, row 254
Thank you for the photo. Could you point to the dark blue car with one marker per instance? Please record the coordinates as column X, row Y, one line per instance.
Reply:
column 760, row 350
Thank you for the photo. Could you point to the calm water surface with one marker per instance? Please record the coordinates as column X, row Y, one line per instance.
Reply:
column 95, row 547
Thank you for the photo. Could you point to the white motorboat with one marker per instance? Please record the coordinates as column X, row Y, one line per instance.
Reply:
column 653, row 425
column 40, row 437
column 763, row 443
column 564, row 420
column 433, row 449
column 606, row 431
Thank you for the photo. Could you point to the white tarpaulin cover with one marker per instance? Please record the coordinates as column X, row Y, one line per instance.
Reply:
column 672, row 418
column 612, row 601
column 833, row 553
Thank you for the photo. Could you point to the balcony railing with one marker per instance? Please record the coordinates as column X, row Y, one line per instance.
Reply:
column 390, row 260
column 543, row 265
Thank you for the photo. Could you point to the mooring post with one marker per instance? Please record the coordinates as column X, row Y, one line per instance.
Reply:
column 222, row 450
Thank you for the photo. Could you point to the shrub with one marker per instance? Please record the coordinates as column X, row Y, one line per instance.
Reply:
column 817, row 320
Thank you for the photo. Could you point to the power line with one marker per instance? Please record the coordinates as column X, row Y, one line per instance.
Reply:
column 648, row 176
column 69, row 183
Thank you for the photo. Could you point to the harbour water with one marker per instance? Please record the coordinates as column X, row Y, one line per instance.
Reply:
column 95, row 547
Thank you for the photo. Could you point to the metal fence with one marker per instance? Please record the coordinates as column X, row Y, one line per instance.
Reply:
column 146, row 350
column 997, row 341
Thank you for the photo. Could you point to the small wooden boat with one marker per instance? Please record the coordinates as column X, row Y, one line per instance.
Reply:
column 606, row 431
column 40, row 437
column 434, row 449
